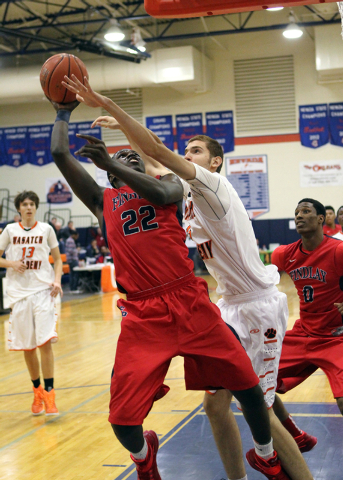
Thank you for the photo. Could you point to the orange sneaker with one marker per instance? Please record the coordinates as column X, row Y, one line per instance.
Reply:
column 37, row 407
column 49, row 401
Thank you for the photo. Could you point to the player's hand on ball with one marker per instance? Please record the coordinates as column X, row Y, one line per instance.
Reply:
column 106, row 122
column 56, row 289
column 19, row 266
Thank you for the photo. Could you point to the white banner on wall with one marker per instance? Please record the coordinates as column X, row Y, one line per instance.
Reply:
column 321, row 174
column 101, row 178
column 58, row 192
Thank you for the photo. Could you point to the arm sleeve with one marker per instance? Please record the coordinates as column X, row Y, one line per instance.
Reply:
column 210, row 192
column 4, row 239
column 52, row 239
column 339, row 259
column 278, row 258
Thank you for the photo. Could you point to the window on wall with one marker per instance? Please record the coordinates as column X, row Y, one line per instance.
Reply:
column 265, row 95
column 129, row 100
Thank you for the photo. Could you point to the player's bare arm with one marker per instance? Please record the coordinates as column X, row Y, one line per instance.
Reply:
column 139, row 134
column 19, row 266
column 152, row 166
column 82, row 184
column 56, row 287
column 164, row 192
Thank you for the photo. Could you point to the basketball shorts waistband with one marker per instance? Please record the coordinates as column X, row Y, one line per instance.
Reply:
column 251, row 296
column 161, row 289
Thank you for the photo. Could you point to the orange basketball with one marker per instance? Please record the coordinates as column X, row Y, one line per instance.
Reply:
column 52, row 75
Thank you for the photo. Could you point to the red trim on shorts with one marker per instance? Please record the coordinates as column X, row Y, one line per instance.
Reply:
column 262, row 376
column 270, row 341
column 268, row 359
column 26, row 230
column 153, row 292
column 268, row 389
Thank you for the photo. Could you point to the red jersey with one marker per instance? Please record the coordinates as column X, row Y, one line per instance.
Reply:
column 332, row 231
column 146, row 241
column 318, row 278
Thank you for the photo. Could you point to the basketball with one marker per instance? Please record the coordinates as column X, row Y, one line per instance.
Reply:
column 52, row 74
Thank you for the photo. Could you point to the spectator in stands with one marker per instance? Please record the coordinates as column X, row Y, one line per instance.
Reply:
column 104, row 252
column 67, row 231
column 92, row 251
column 53, row 222
column 16, row 219
column 101, row 242
column 339, row 235
column 61, row 240
column 72, row 253
column 331, row 228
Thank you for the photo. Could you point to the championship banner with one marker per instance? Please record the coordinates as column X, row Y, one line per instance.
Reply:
column 321, row 174
column 249, row 177
column 187, row 126
column 58, row 192
column 39, row 139
column 162, row 126
column 219, row 126
column 3, row 160
column 75, row 143
column 314, row 125
column 336, row 123
column 15, row 142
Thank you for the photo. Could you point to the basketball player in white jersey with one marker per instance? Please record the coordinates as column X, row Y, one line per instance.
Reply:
column 32, row 288
column 251, row 303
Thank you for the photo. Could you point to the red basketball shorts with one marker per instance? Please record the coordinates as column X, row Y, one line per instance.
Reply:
column 302, row 355
column 181, row 321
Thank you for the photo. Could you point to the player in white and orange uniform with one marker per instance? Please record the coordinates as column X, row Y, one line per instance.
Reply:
column 228, row 246
column 32, row 288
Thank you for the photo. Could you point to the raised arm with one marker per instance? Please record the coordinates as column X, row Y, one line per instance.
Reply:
column 138, row 133
column 82, row 184
column 164, row 192
column 152, row 166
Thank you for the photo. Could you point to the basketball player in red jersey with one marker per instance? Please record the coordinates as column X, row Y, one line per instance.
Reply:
column 330, row 227
column 315, row 264
column 167, row 311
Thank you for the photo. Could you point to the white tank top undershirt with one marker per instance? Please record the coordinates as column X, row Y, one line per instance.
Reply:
column 220, row 226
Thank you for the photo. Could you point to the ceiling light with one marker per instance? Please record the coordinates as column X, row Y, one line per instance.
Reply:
column 274, row 9
column 131, row 50
column 292, row 31
column 114, row 34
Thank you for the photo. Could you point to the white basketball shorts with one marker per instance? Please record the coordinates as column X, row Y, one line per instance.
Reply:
column 260, row 320
column 33, row 322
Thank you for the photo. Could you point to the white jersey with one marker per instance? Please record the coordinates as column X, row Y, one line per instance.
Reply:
column 33, row 247
column 338, row 235
column 220, row 226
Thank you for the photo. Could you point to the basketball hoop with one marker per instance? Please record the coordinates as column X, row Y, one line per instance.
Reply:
column 340, row 9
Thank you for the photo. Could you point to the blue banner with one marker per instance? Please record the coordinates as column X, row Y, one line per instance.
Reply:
column 187, row 126
column 16, row 146
column 75, row 143
column 336, row 123
column 219, row 126
column 162, row 126
column 39, row 139
column 314, row 125
column 3, row 159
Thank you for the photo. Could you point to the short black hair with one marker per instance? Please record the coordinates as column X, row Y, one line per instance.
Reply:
column 320, row 209
column 214, row 147
column 328, row 207
column 23, row 196
column 339, row 209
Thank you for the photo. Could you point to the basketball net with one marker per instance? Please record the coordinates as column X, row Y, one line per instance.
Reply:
column 340, row 9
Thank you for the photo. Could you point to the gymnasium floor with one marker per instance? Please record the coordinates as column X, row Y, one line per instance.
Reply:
column 79, row 443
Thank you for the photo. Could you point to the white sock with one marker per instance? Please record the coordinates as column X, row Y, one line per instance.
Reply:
column 264, row 451
column 142, row 454
column 244, row 478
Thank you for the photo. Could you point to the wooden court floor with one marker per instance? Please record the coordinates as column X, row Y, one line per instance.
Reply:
column 79, row 443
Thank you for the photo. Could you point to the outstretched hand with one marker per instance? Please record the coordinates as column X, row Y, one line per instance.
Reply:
column 64, row 106
column 84, row 92
column 106, row 122
column 96, row 150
